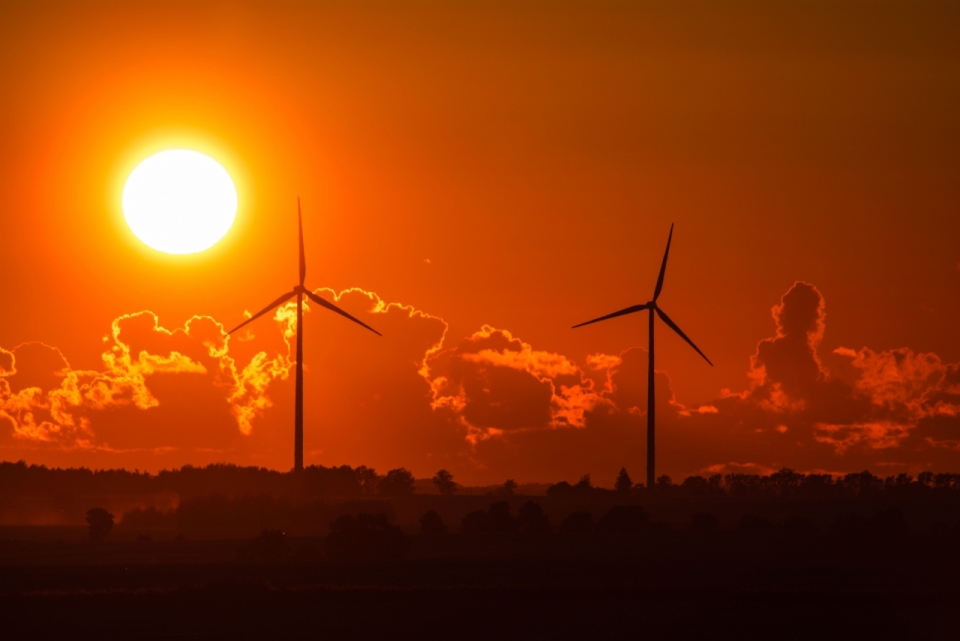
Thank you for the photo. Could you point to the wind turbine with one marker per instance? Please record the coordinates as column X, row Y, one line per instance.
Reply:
column 300, row 291
column 654, row 309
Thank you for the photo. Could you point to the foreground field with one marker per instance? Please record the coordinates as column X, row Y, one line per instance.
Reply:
column 676, row 585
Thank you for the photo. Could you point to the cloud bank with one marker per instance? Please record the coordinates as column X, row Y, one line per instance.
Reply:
column 487, row 406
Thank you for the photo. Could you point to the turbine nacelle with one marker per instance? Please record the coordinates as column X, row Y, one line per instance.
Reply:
column 652, row 305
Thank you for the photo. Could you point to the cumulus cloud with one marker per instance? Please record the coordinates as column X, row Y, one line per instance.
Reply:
column 866, row 408
column 488, row 406
column 493, row 382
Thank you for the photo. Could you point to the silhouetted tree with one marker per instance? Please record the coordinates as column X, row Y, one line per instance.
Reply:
column 695, row 486
column 664, row 481
column 532, row 519
column 476, row 522
column 365, row 537
column 100, row 522
column 509, row 488
column 785, row 482
column 817, row 486
column 501, row 520
column 577, row 523
column 368, row 479
column 583, row 486
column 624, row 518
column 444, row 482
column 560, row 489
column 431, row 523
column 624, row 482
column 397, row 482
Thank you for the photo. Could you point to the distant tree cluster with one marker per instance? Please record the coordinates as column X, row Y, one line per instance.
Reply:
column 21, row 481
column 100, row 523
column 365, row 536
column 785, row 484
column 499, row 518
column 25, row 481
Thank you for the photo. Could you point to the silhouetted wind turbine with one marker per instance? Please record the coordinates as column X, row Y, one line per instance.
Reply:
column 300, row 291
column 654, row 309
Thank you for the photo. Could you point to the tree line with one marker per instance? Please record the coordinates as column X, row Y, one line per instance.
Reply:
column 19, row 481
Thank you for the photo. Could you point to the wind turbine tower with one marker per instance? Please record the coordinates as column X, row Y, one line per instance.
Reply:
column 653, row 308
column 300, row 291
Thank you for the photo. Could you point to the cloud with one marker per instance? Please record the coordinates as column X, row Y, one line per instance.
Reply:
column 864, row 408
column 493, row 382
column 488, row 406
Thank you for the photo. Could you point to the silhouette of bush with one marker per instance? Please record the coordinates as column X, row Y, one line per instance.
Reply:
column 398, row 482
column 365, row 537
column 270, row 546
column 699, row 486
column 703, row 522
column 431, row 523
column 444, row 482
column 495, row 519
column 533, row 520
column 623, row 482
column 560, row 489
column 100, row 522
column 577, row 523
column 754, row 523
column 583, row 487
column 800, row 526
column 624, row 518
column 475, row 522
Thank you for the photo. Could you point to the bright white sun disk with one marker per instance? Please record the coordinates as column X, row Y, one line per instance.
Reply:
column 179, row 201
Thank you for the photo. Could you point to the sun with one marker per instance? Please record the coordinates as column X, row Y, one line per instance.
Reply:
column 179, row 201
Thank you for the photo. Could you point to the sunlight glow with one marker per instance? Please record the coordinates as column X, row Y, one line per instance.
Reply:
column 179, row 201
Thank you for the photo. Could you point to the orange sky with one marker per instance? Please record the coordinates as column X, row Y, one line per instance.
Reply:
column 506, row 170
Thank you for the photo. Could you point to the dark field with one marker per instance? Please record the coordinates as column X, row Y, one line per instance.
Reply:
column 726, row 584
column 340, row 553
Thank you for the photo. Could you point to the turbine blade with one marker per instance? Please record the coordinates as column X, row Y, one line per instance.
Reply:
column 268, row 308
column 666, row 319
column 663, row 266
column 334, row 308
column 622, row 312
column 303, row 258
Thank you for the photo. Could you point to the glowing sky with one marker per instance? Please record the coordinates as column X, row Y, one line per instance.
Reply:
column 499, row 172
